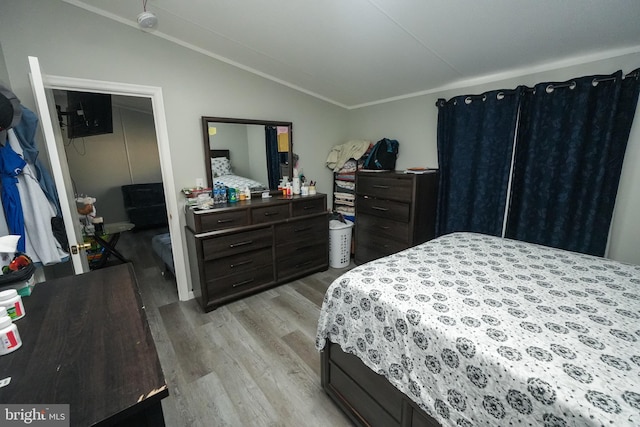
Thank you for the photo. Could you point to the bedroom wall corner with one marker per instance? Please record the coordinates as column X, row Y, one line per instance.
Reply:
column 413, row 122
column 625, row 227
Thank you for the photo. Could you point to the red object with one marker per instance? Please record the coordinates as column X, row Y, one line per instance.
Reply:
column 19, row 262
column 12, row 339
column 18, row 308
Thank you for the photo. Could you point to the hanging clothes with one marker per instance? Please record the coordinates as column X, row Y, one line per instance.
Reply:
column 11, row 165
column 25, row 130
column 37, row 211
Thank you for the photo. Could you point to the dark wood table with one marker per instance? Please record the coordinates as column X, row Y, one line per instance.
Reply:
column 87, row 343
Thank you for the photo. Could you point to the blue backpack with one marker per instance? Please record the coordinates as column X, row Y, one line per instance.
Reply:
column 383, row 155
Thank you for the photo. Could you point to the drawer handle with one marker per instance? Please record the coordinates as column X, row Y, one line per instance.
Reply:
column 241, row 263
column 271, row 213
column 224, row 221
column 384, row 227
column 304, row 263
column 245, row 282
column 297, row 230
column 308, row 207
column 378, row 208
column 382, row 187
column 246, row 242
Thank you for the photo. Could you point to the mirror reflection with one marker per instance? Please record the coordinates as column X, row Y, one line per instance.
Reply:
column 244, row 153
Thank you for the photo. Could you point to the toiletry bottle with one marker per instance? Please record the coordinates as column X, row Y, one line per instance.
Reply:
column 9, row 336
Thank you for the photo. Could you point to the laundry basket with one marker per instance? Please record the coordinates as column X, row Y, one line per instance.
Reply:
column 339, row 243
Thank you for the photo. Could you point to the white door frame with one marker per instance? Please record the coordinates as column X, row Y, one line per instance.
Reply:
column 162, row 135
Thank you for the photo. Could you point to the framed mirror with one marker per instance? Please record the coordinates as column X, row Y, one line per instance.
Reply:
column 247, row 153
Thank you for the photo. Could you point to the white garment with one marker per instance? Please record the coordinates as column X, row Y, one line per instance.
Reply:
column 340, row 154
column 41, row 245
column 4, row 228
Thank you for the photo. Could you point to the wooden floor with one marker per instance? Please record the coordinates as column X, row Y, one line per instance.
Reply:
column 249, row 363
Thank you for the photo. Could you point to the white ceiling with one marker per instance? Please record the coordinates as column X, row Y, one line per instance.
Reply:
column 358, row 52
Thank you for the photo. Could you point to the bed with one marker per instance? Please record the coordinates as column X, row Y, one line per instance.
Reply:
column 475, row 330
column 221, row 171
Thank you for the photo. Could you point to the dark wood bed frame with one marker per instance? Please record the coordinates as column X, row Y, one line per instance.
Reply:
column 366, row 397
column 219, row 153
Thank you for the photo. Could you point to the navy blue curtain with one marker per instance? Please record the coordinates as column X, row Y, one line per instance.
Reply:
column 475, row 146
column 571, row 143
column 273, row 158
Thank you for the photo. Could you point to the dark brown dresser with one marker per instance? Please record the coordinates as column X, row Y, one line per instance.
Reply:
column 241, row 248
column 87, row 344
column 394, row 211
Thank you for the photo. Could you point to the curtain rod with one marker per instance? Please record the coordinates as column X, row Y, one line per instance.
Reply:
column 550, row 87
column 595, row 81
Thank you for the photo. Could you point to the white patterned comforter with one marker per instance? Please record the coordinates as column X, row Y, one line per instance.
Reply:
column 241, row 182
column 484, row 331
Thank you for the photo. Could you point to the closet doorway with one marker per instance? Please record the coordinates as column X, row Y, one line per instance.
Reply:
column 43, row 86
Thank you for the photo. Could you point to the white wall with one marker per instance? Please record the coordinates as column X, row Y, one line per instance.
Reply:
column 72, row 42
column 4, row 74
column 257, row 154
column 413, row 122
column 233, row 137
column 99, row 165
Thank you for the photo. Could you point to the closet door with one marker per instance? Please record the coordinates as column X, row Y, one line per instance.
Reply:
column 59, row 167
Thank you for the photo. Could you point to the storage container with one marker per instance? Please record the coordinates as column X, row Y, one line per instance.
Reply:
column 340, row 243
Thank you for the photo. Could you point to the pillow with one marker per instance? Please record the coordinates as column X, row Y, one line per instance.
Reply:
column 220, row 166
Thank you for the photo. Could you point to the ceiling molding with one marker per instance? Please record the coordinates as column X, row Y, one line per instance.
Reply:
column 511, row 74
column 460, row 84
column 205, row 52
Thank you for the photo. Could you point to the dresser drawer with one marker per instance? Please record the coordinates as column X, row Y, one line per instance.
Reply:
column 392, row 188
column 389, row 209
column 309, row 206
column 307, row 230
column 368, row 225
column 270, row 213
column 235, row 283
column 239, row 263
column 231, row 244
column 295, row 257
column 371, row 247
column 222, row 220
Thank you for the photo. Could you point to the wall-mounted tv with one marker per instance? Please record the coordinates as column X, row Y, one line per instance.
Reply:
column 88, row 114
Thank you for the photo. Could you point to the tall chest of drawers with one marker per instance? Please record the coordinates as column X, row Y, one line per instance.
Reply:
column 394, row 211
column 241, row 248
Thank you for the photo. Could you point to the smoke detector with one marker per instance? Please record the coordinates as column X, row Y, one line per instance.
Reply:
column 147, row 19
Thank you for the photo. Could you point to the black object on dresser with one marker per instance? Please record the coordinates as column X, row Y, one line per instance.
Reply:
column 241, row 248
column 394, row 211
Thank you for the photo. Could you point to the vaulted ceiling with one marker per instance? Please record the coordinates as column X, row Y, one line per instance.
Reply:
column 358, row 52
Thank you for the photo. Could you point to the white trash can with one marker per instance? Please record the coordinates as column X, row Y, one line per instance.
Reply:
column 339, row 243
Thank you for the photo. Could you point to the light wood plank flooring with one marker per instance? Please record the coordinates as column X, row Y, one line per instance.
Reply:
column 249, row 363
